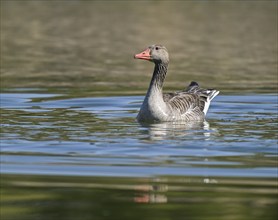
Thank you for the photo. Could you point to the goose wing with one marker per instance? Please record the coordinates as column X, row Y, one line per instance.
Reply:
column 193, row 100
column 186, row 103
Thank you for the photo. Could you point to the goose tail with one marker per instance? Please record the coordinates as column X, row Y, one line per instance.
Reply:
column 205, row 95
column 211, row 94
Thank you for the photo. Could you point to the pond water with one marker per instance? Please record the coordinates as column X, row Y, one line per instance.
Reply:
column 233, row 152
column 70, row 92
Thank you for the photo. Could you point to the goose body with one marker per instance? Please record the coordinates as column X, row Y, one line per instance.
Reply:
column 190, row 104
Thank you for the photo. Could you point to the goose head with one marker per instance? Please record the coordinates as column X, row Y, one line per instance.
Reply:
column 154, row 53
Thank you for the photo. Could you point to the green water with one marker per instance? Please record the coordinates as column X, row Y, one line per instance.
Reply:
column 90, row 45
column 40, row 197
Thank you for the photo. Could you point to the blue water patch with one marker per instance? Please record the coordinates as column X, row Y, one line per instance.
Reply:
column 55, row 135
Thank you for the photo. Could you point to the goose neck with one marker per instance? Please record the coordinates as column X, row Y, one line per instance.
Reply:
column 159, row 75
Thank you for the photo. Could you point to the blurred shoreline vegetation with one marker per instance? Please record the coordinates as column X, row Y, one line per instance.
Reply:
column 88, row 46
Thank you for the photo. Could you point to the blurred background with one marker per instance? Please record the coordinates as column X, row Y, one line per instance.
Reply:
column 89, row 45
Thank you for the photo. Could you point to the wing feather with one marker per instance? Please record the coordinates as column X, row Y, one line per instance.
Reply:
column 191, row 102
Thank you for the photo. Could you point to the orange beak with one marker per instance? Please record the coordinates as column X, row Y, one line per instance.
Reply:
column 145, row 55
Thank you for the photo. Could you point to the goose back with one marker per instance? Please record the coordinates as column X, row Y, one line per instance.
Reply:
column 191, row 103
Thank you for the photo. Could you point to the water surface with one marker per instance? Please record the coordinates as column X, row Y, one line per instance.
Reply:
column 96, row 146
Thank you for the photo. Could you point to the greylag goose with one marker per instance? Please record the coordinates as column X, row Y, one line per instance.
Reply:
column 190, row 104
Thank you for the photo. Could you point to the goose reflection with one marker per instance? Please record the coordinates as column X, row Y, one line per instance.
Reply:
column 170, row 130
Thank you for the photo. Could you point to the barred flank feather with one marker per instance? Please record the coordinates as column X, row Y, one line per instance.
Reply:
column 191, row 103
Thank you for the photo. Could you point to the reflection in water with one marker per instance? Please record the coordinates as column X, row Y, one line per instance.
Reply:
column 159, row 189
column 68, row 198
column 152, row 193
column 170, row 130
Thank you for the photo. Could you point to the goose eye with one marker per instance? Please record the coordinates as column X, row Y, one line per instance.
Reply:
column 156, row 48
